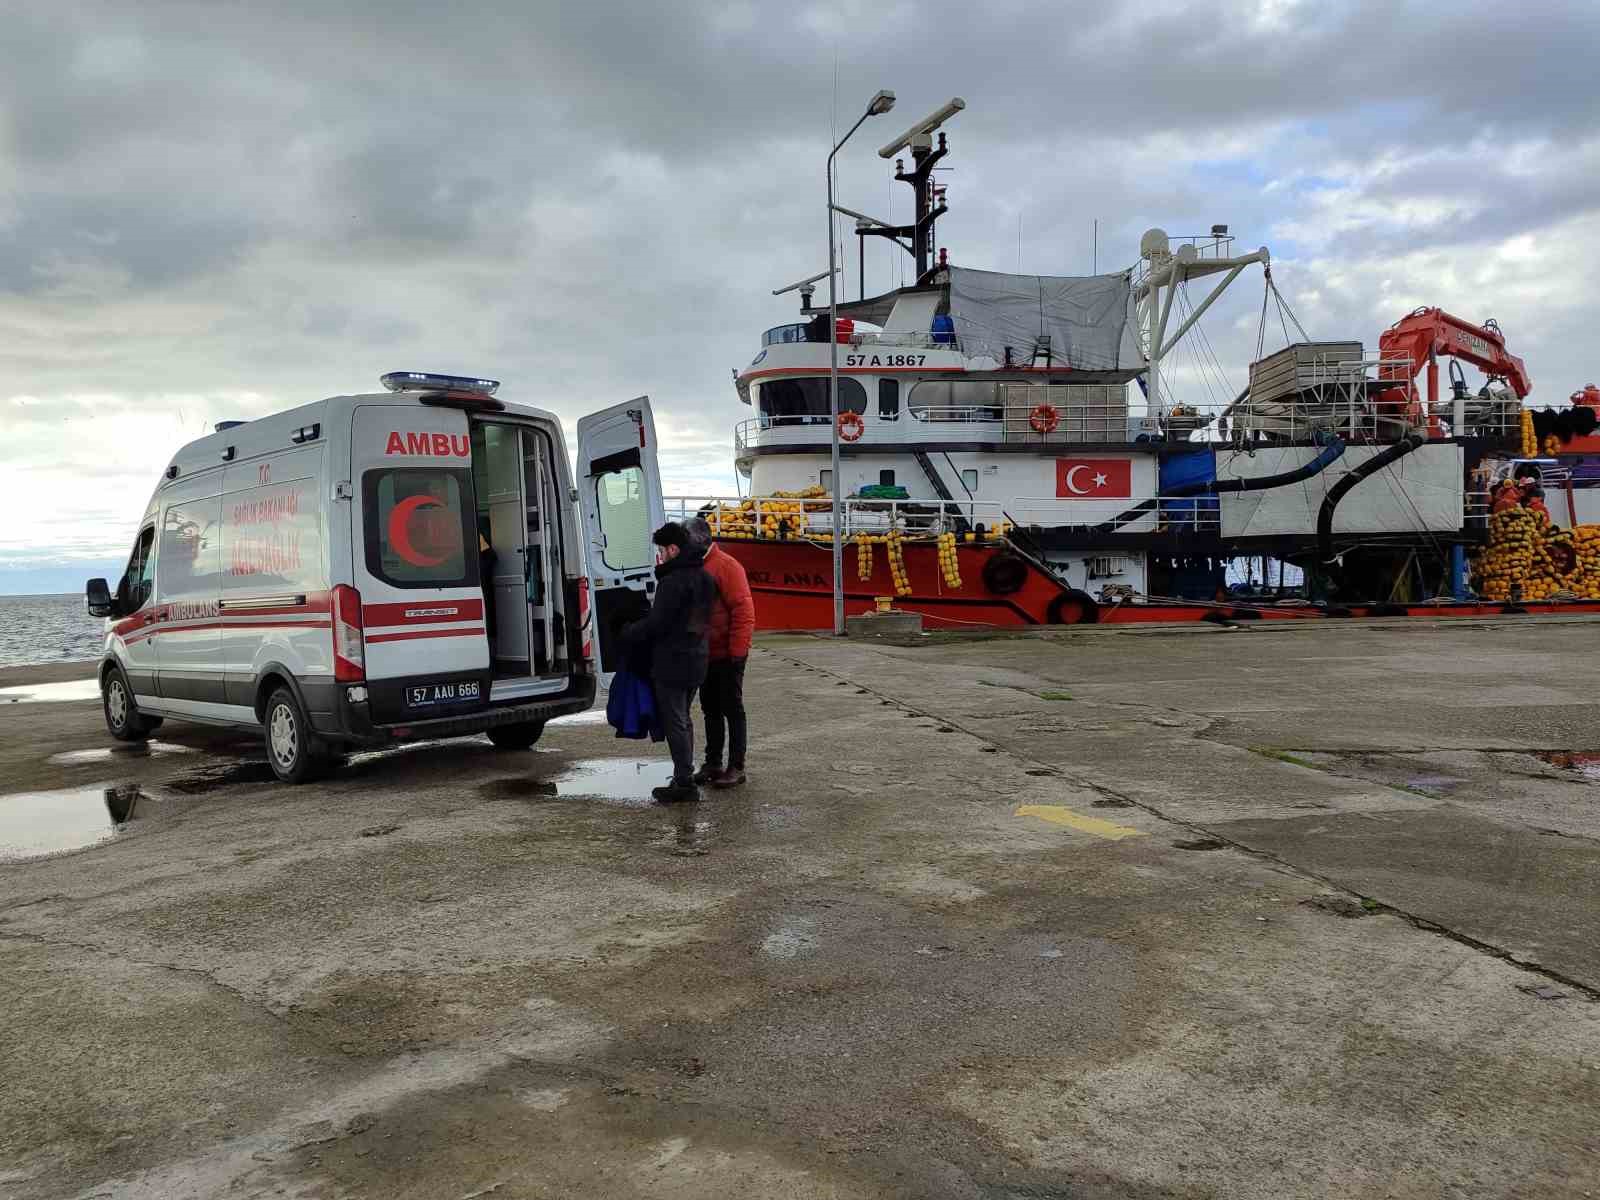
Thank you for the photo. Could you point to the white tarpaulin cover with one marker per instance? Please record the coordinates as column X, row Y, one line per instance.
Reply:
column 1422, row 491
column 1089, row 318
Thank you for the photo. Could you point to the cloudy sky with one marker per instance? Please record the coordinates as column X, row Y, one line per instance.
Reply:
column 214, row 210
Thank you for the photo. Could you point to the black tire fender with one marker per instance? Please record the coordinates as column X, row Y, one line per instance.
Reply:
column 1072, row 607
column 1004, row 573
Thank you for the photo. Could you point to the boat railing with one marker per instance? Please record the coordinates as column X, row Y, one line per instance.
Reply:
column 791, row 518
column 921, row 339
column 1475, row 508
column 810, row 517
column 1366, row 399
column 916, row 339
column 961, row 414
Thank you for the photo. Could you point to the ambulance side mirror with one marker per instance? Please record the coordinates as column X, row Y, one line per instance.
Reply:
column 98, row 595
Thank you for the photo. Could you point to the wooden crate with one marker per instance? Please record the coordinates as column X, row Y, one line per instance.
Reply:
column 1303, row 367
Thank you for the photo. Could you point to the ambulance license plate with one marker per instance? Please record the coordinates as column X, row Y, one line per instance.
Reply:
column 426, row 695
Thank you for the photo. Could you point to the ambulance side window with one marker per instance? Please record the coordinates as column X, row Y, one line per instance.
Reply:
column 191, row 548
column 139, row 579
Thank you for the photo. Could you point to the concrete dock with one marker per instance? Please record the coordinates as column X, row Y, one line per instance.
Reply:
column 1273, row 911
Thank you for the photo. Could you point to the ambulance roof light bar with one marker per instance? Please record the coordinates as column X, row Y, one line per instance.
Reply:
column 422, row 381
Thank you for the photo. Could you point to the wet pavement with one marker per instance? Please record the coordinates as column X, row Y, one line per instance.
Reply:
column 1260, row 913
column 37, row 824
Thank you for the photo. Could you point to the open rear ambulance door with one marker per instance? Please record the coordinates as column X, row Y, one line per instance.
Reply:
column 619, row 489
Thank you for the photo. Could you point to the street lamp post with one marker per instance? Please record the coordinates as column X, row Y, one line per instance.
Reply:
column 881, row 103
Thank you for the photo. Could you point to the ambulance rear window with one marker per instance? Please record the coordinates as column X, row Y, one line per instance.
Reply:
column 419, row 528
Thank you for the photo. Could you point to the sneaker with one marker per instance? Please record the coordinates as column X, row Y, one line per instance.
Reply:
column 675, row 793
column 731, row 778
column 708, row 773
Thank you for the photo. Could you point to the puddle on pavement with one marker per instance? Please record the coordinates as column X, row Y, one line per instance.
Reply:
column 102, row 754
column 517, row 787
column 1584, row 763
column 35, row 824
column 39, row 693
column 619, row 780
column 197, row 783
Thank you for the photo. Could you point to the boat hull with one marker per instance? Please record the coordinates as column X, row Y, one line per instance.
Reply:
column 792, row 582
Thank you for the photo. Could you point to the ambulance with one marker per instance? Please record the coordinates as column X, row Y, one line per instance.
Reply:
column 374, row 569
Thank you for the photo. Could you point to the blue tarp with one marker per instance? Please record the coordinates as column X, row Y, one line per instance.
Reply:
column 1194, row 466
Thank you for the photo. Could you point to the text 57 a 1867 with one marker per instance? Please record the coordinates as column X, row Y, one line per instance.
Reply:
column 885, row 360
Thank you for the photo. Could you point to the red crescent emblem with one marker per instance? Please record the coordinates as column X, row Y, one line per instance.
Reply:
column 400, row 530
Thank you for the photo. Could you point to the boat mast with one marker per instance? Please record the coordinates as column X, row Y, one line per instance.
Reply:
column 1164, row 268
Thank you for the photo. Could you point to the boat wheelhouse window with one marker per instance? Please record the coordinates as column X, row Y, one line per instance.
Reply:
column 886, row 478
column 889, row 398
column 955, row 400
column 969, row 480
column 780, row 334
column 805, row 401
column 825, row 478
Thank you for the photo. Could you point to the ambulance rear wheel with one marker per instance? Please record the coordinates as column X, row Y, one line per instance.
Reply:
column 125, row 722
column 293, row 752
column 519, row 735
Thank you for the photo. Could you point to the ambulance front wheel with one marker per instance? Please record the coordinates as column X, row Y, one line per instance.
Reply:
column 294, row 754
column 126, row 723
column 519, row 735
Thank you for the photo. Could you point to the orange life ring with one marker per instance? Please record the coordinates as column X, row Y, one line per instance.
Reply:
column 1044, row 418
column 851, row 426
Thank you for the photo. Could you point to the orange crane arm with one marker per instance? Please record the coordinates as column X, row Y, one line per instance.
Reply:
column 1430, row 332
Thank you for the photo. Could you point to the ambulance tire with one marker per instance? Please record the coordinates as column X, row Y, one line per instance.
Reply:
column 125, row 722
column 293, row 752
column 519, row 735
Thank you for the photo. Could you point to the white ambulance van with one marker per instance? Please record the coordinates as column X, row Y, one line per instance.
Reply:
column 374, row 569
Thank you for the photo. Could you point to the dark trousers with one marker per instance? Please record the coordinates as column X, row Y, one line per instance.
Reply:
column 673, row 704
column 722, row 702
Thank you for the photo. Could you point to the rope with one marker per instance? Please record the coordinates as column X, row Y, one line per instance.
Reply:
column 1261, row 326
column 1283, row 307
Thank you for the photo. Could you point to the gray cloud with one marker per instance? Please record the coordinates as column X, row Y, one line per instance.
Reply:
column 209, row 210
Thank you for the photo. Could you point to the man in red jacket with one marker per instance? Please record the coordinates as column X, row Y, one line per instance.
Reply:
column 733, row 623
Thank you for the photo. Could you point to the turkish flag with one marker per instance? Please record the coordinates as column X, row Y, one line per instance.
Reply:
column 1094, row 478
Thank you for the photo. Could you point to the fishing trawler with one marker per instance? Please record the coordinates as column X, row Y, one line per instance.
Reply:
column 1011, row 452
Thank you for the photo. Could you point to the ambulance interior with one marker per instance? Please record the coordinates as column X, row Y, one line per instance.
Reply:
column 521, row 557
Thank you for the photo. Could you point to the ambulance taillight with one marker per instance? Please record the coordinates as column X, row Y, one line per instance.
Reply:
column 349, row 643
column 585, row 623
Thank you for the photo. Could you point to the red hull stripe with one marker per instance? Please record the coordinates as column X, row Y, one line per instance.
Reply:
column 410, row 634
column 421, row 612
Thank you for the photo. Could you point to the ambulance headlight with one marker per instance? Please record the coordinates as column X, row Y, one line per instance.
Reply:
column 422, row 381
column 356, row 695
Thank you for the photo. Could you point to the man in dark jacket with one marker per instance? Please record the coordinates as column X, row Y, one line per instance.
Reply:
column 674, row 637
